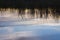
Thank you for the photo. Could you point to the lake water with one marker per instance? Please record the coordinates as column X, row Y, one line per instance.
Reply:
column 32, row 29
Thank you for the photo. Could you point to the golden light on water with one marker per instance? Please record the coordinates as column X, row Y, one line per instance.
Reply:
column 26, row 10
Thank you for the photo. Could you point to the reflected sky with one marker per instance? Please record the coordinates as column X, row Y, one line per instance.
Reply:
column 28, row 31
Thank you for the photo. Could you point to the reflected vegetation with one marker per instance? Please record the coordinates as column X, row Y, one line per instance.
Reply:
column 31, row 13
